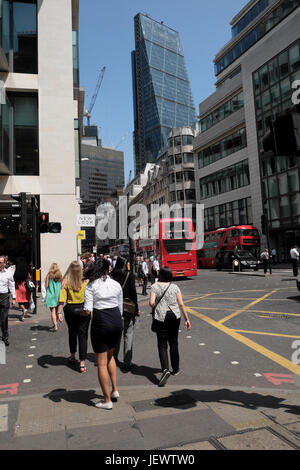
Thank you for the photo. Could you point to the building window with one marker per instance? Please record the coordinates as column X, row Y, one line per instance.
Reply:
column 229, row 214
column 24, row 153
column 228, row 179
column 231, row 144
column 19, row 35
column 226, row 109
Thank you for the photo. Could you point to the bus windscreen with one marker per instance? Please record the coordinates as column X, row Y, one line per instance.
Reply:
column 176, row 246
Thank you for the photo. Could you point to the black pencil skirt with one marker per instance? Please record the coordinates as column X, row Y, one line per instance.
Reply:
column 106, row 329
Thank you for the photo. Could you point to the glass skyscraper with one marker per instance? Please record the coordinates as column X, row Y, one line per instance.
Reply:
column 161, row 89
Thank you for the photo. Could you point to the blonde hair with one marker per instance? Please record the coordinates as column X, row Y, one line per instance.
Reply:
column 54, row 272
column 73, row 277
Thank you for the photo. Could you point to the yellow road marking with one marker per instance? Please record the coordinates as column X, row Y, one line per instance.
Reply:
column 249, row 310
column 219, row 293
column 234, row 314
column 267, row 334
column 248, row 342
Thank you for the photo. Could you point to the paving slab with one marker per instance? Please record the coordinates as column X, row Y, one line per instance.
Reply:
column 262, row 439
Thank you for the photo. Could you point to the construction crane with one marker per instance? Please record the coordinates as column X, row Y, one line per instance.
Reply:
column 88, row 111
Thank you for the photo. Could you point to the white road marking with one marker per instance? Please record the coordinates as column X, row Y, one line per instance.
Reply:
column 32, row 347
column 33, row 339
column 234, row 362
column 257, row 374
column 30, row 355
column 26, row 381
column 217, row 352
column 188, row 336
column 201, row 344
column 29, row 366
column 3, row 418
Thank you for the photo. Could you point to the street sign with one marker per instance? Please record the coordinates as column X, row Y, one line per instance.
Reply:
column 81, row 234
column 86, row 220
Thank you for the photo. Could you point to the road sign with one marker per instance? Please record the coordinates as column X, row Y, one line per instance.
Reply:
column 86, row 220
column 81, row 234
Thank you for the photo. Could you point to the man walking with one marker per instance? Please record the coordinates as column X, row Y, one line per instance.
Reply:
column 294, row 253
column 155, row 270
column 145, row 272
column 265, row 259
column 7, row 287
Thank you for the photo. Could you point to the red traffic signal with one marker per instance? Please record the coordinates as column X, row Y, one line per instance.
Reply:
column 44, row 222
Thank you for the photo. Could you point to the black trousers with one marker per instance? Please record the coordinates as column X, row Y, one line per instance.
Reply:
column 145, row 282
column 295, row 267
column 4, row 308
column 167, row 334
column 78, row 330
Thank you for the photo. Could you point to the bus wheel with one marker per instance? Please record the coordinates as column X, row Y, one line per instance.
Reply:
column 219, row 266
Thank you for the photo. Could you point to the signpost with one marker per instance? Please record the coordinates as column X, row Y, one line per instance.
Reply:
column 86, row 220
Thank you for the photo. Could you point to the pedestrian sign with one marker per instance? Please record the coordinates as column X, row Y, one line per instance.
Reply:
column 81, row 234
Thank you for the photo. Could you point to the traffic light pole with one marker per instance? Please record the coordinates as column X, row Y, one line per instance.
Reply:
column 268, row 244
column 35, row 235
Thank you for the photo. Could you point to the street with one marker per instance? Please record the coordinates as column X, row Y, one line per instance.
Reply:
column 244, row 329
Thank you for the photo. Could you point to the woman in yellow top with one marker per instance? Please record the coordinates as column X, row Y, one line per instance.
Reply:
column 72, row 294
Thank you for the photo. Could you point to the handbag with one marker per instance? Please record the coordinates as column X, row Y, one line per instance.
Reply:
column 154, row 324
column 128, row 305
column 29, row 285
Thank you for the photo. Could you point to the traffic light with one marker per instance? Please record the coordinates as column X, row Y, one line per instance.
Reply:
column 44, row 222
column 264, row 224
column 20, row 208
column 283, row 136
column 46, row 226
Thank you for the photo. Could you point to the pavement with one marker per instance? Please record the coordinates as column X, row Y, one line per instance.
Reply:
column 175, row 418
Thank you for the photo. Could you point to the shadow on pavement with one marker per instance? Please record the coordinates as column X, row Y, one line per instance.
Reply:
column 296, row 298
column 251, row 401
column 147, row 372
column 84, row 397
column 48, row 360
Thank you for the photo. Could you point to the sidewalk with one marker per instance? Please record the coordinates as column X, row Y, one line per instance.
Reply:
column 151, row 418
column 146, row 417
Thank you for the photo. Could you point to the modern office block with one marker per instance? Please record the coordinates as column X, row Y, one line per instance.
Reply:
column 161, row 89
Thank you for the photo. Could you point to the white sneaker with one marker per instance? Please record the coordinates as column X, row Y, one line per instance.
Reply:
column 104, row 406
column 115, row 394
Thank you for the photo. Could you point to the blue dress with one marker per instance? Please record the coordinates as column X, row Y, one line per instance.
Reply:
column 52, row 294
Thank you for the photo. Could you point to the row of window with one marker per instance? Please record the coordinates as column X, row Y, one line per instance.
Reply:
column 180, row 140
column 230, row 178
column 260, row 6
column 284, row 211
column 181, row 176
column 232, row 105
column 183, row 195
column 267, row 23
column 225, row 215
column 179, row 158
column 223, row 148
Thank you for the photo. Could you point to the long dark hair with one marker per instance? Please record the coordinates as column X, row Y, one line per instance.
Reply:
column 120, row 270
column 21, row 272
column 99, row 270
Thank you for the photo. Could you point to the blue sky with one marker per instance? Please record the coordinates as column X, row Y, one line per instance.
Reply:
column 106, row 38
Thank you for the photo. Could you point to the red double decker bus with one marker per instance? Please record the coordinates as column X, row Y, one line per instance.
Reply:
column 238, row 237
column 175, row 246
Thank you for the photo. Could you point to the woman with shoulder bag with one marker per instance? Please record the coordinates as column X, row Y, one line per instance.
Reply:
column 53, row 287
column 166, row 302
column 130, row 309
column 72, row 295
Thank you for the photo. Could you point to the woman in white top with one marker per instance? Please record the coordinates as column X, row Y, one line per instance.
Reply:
column 104, row 298
column 166, row 300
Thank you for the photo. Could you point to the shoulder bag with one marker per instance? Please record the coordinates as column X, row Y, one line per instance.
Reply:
column 29, row 285
column 128, row 305
column 154, row 324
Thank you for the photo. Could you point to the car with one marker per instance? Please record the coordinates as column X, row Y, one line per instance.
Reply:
column 236, row 259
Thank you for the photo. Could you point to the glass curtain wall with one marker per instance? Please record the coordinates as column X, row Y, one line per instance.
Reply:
column 280, row 175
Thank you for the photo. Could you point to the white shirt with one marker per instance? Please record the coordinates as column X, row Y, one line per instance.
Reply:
column 102, row 294
column 294, row 253
column 7, row 283
column 145, row 268
column 156, row 265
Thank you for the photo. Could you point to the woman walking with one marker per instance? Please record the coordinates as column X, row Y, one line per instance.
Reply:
column 103, row 300
column 130, row 310
column 166, row 302
column 53, row 286
column 21, row 275
column 72, row 294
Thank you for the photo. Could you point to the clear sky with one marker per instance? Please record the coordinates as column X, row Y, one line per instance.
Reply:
column 106, row 38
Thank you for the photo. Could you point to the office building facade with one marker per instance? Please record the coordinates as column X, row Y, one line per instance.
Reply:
column 255, row 72
column 39, row 123
column 161, row 89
